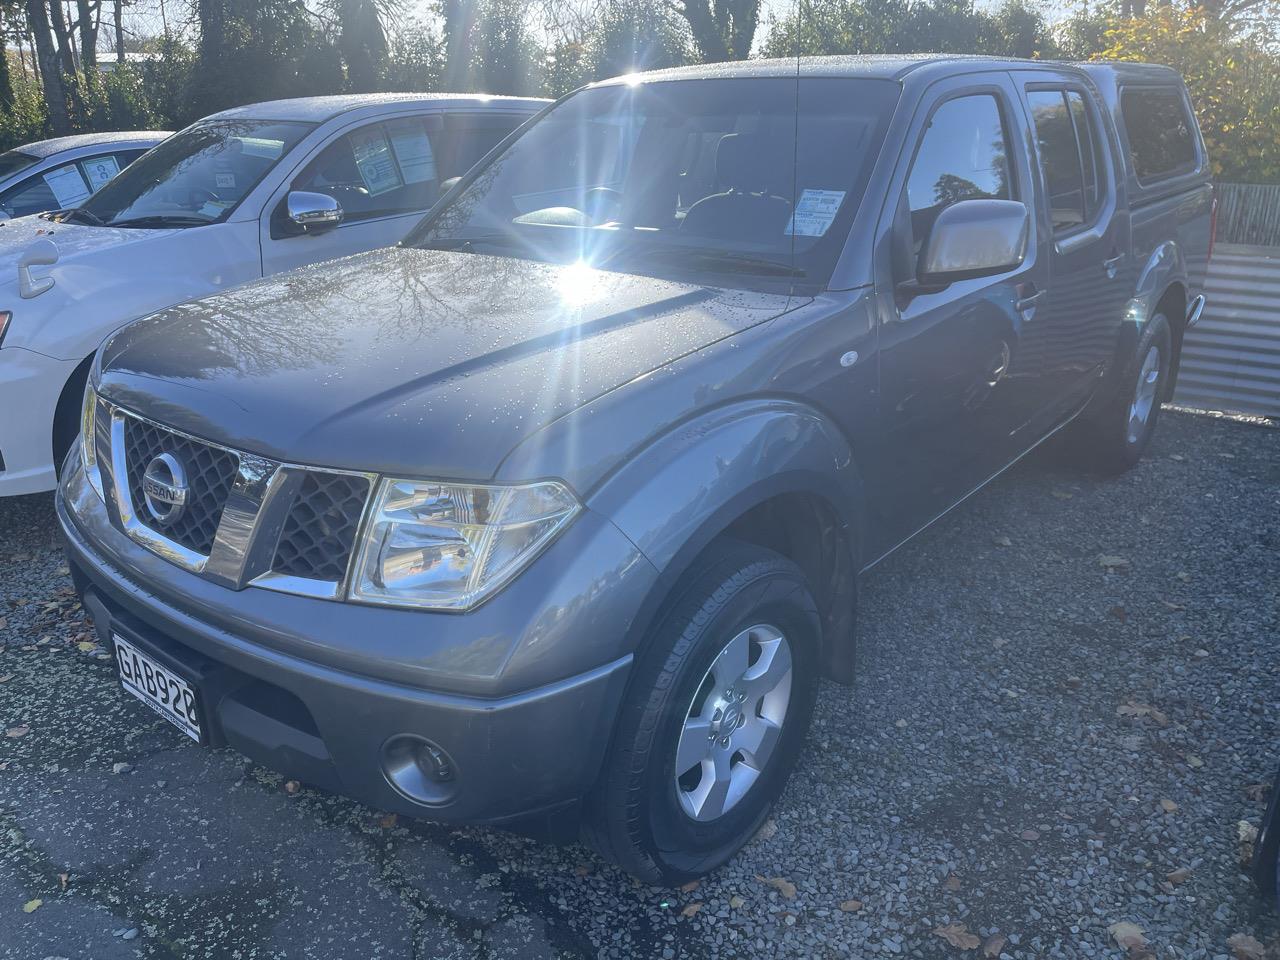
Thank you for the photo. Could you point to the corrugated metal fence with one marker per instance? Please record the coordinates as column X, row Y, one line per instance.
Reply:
column 1231, row 358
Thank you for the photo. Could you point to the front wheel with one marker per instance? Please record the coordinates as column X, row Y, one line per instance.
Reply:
column 714, row 720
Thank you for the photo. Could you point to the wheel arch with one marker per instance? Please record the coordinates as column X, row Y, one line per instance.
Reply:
column 67, row 412
column 776, row 473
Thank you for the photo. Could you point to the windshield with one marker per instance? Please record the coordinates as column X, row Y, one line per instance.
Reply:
column 754, row 177
column 14, row 161
column 196, row 176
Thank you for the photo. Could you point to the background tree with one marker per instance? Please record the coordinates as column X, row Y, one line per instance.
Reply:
column 723, row 29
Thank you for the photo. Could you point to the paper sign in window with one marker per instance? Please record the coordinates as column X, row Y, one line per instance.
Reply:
column 814, row 213
column 99, row 170
column 374, row 161
column 413, row 151
column 67, row 186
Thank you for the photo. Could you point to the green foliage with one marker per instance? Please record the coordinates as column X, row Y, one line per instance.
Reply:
column 909, row 26
column 28, row 120
column 415, row 60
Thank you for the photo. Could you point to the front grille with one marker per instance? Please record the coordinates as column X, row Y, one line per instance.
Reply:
column 321, row 526
column 210, row 471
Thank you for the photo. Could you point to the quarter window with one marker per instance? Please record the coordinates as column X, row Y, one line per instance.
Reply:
column 62, row 187
column 1069, row 156
column 963, row 155
column 1161, row 141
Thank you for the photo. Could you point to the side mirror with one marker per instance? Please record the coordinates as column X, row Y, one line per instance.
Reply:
column 975, row 238
column 312, row 212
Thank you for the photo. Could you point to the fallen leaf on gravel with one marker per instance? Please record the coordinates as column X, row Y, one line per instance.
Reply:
column 1003, row 542
column 1257, row 791
column 86, row 646
column 1168, row 806
column 1062, row 494
column 1184, row 577
column 850, row 906
column 1245, row 947
column 691, row 886
column 15, row 732
column 999, row 642
column 1108, row 562
column 292, row 786
column 1029, row 835
column 582, row 870
column 63, row 878
column 1194, row 762
column 690, row 909
column 31, row 906
column 1181, row 875
column 387, row 821
column 900, row 723
column 1134, row 709
column 951, row 883
column 958, row 935
column 1074, row 683
column 121, row 767
column 736, row 902
column 994, row 944
column 1246, row 832
column 767, row 830
column 6, row 678
column 1201, row 653
column 1119, row 613
column 1173, row 606
column 4, row 622
column 783, row 886
column 1177, row 456
column 1128, row 936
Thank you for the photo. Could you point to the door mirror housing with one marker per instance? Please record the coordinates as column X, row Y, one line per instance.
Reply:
column 975, row 238
column 312, row 212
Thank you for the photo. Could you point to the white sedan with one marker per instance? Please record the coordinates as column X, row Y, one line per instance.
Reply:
column 63, row 172
column 239, row 195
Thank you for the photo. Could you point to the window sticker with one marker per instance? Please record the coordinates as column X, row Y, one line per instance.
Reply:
column 225, row 181
column 373, row 160
column 99, row 170
column 214, row 208
column 67, row 186
column 413, row 151
column 814, row 213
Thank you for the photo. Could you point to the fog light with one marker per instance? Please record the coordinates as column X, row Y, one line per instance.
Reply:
column 419, row 769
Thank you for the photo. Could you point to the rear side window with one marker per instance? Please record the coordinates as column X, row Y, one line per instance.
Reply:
column 1161, row 138
column 1070, row 156
column 963, row 155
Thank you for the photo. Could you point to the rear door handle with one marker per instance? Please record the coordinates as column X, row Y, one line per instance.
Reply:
column 1025, row 305
column 1112, row 265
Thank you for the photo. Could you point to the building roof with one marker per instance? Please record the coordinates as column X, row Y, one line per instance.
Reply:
column 46, row 148
column 319, row 109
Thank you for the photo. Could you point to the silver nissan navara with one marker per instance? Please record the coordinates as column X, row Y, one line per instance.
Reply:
column 554, row 512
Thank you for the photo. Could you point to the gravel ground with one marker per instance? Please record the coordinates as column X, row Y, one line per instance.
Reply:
column 1041, row 745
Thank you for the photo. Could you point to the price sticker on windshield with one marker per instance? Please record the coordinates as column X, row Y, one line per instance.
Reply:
column 814, row 213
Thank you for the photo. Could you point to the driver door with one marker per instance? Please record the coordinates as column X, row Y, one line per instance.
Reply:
column 950, row 356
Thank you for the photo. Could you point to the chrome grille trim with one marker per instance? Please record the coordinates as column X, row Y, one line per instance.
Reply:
column 253, row 516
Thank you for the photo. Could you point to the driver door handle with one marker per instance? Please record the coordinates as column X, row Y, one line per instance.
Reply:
column 1112, row 265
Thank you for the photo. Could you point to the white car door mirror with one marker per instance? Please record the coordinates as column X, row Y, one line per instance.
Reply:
column 312, row 212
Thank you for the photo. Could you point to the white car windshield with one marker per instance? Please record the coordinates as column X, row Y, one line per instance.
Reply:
column 758, row 177
column 195, row 177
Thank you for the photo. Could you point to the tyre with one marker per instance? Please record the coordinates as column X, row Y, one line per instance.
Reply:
column 1266, row 857
column 714, row 719
column 1114, row 439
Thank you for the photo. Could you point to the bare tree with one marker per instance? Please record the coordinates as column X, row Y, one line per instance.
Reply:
column 723, row 30
column 117, row 10
column 55, row 93
column 362, row 38
column 87, row 19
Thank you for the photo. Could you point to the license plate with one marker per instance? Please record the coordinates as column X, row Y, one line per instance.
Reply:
column 158, row 687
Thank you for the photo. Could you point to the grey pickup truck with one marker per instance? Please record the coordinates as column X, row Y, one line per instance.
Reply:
column 552, row 514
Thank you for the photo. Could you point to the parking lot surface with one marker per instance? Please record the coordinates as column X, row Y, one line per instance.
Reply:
column 1068, row 705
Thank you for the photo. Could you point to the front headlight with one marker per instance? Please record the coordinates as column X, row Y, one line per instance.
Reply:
column 88, row 436
column 448, row 546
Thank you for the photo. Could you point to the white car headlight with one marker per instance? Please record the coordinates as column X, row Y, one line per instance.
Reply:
column 448, row 546
column 88, row 446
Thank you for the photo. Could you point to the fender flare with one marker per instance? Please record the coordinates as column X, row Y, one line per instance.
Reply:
column 685, row 487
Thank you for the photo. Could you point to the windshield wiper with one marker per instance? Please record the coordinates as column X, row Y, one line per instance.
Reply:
column 161, row 220
column 77, row 214
column 719, row 262
column 468, row 243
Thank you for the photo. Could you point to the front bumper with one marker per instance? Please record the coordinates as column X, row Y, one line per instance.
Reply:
column 327, row 719
column 30, row 385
